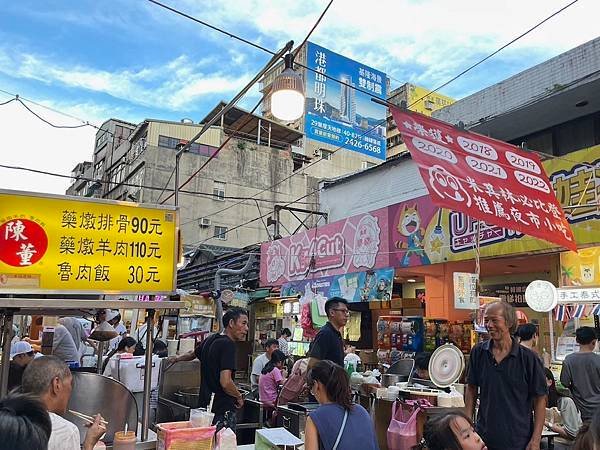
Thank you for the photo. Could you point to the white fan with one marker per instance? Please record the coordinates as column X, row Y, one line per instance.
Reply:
column 446, row 365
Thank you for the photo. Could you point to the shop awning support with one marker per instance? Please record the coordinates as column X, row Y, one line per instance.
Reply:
column 551, row 324
column 147, row 372
column 7, row 322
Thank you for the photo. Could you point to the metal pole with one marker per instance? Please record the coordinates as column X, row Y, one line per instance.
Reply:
column 269, row 143
column 100, row 353
column 258, row 133
column 147, row 373
column 551, row 324
column 6, row 333
column 177, row 158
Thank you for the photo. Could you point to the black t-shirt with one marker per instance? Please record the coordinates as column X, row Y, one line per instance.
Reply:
column 507, row 391
column 15, row 375
column 328, row 344
column 216, row 353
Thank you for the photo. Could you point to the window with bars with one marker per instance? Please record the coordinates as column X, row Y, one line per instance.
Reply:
column 99, row 169
column 220, row 232
column 219, row 191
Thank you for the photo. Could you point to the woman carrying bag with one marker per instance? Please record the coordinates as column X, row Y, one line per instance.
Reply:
column 337, row 424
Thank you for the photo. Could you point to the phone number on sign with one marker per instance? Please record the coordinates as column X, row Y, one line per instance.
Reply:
column 363, row 145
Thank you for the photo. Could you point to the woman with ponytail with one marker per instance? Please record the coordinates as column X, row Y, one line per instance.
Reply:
column 337, row 424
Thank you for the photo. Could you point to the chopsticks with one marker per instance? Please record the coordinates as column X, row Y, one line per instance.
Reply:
column 90, row 419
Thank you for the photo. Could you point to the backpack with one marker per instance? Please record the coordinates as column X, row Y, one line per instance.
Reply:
column 295, row 383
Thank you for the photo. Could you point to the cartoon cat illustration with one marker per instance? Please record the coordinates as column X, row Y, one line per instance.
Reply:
column 409, row 225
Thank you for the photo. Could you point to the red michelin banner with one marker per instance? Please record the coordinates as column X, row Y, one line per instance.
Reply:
column 484, row 178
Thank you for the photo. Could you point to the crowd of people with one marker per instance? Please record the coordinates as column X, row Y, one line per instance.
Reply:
column 32, row 415
column 509, row 396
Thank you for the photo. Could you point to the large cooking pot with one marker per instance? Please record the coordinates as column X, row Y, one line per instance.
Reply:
column 390, row 379
column 189, row 397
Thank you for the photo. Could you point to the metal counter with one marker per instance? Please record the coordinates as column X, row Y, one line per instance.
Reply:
column 96, row 394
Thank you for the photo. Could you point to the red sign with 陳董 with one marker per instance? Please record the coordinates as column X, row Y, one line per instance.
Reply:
column 484, row 178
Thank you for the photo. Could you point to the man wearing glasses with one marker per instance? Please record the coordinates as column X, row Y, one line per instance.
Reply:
column 21, row 354
column 328, row 343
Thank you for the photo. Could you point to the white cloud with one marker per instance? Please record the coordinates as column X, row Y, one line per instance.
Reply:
column 439, row 36
column 26, row 141
column 173, row 86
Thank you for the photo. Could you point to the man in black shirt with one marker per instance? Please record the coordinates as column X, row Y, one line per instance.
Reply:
column 510, row 382
column 217, row 367
column 328, row 343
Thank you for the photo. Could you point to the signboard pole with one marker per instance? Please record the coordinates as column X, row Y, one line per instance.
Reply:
column 551, row 323
column 147, row 373
column 99, row 360
column 7, row 323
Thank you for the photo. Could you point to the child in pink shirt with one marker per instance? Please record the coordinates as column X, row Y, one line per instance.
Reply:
column 271, row 378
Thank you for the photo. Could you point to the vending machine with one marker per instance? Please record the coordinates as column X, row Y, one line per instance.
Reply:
column 398, row 335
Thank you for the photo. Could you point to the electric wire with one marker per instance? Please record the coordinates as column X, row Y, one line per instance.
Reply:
column 468, row 69
column 20, row 99
column 249, row 114
column 47, row 121
column 142, row 186
column 412, row 104
column 453, row 79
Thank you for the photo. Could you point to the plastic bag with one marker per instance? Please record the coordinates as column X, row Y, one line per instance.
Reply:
column 226, row 440
column 402, row 431
column 306, row 321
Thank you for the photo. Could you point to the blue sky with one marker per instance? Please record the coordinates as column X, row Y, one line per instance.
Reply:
column 132, row 60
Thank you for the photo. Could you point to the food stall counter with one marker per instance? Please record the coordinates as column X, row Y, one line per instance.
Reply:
column 148, row 444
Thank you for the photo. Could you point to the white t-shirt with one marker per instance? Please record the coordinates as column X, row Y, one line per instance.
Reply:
column 64, row 436
column 259, row 364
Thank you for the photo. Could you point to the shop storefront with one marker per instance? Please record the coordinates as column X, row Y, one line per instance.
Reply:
column 401, row 260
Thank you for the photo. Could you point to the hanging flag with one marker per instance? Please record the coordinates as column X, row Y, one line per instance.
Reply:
column 579, row 311
column 568, row 313
column 559, row 313
column 595, row 310
column 486, row 179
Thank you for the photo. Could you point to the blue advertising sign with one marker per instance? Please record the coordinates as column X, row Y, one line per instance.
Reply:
column 354, row 287
column 336, row 113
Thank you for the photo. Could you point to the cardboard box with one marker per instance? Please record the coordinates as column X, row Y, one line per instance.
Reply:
column 411, row 303
column 275, row 439
column 368, row 356
column 414, row 312
column 396, row 303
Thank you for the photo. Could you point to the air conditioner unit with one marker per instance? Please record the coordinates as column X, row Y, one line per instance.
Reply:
column 204, row 222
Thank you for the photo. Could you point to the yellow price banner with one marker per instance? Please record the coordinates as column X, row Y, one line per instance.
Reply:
column 71, row 245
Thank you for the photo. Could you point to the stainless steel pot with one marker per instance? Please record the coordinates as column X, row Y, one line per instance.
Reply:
column 390, row 379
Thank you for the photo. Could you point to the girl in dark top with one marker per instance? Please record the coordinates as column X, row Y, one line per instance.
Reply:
column 334, row 424
column 452, row 431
